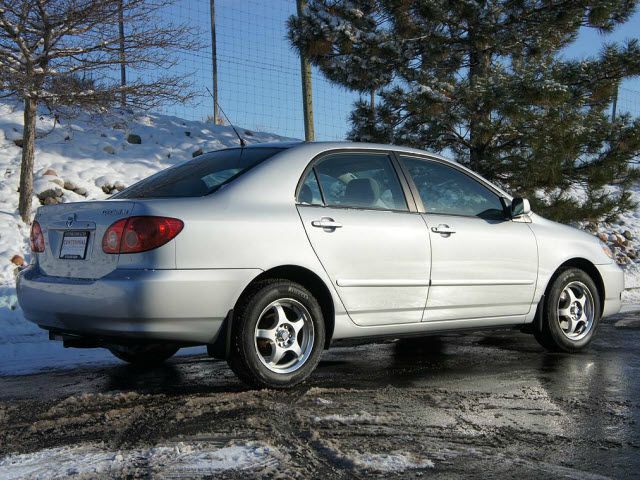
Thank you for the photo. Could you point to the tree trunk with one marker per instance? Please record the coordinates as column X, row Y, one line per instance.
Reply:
column 479, row 65
column 26, row 167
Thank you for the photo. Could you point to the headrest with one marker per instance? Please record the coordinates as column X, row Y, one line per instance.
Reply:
column 362, row 192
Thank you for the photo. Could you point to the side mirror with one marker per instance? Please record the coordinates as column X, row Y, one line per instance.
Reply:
column 519, row 207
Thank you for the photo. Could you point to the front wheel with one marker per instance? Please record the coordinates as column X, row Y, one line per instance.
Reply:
column 278, row 335
column 147, row 355
column 571, row 312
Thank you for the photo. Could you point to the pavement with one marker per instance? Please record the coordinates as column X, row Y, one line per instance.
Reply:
column 481, row 405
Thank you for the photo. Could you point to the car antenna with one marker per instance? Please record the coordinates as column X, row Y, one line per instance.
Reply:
column 242, row 142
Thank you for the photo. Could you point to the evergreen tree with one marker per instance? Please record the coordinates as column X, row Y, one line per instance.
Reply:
column 486, row 83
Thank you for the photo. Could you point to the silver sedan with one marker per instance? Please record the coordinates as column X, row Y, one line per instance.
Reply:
column 271, row 253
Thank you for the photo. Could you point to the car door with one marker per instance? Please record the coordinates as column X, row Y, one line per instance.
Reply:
column 374, row 249
column 483, row 263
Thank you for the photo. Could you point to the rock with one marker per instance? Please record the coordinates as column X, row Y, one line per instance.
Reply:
column 50, row 193
column 109, row 149
column 134, row 139
column 248, row 133
column 187, row 133
column 197, row 153
column 619, row 239
column 119, row 126
column 103, row 135
column 632, row 254
column 81, row 191
column 107, row 188
column 51, row 201
column 119, row 186
column 19, row 142
column 603, row 236
column 51, row 172
column 628, row 235
column 67, row 138
column 68, row 185
column 17, row 260
column 58, row 181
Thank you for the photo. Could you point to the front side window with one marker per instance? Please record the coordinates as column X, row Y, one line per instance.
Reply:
column 448, row 191
column 360, row 180
column 200, row 176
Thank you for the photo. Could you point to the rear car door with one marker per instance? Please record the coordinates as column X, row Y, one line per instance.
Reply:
column 373, row 247
column 484, row 264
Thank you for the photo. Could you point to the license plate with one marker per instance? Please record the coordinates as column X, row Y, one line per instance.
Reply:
column 74, row 245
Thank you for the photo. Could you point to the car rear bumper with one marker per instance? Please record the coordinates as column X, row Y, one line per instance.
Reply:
column 171, row 305
column 613, row 280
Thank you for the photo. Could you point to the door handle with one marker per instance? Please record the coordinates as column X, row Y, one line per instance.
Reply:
column 443, row 229
column 327, row 224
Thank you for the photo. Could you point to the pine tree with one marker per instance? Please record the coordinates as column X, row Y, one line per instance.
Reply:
column 486, row 83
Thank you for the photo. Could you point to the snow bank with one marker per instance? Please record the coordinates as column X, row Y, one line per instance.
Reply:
column 180, row 460
column 83, row 156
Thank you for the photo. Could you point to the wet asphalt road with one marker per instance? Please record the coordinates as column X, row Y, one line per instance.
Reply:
column 484, row 405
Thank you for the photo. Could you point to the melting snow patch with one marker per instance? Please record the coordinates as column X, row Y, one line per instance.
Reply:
column 52, row 463
column 356, row 418
column 189, row 460
column 394, row 462
column 175, row 461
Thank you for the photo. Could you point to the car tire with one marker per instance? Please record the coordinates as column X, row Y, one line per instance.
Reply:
column 144, row 355
column 572, row 309
column 278, row 335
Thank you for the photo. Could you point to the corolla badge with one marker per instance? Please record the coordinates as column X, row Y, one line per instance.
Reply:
column 70, row 220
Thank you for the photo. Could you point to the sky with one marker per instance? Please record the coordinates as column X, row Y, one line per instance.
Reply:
column 259, row 72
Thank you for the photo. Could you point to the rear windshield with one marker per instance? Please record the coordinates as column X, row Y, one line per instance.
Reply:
column 201, row 176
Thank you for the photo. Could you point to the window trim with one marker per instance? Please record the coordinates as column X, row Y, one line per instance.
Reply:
column 397, row 169
column 418, row 199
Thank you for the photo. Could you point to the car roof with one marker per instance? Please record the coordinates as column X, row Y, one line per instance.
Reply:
column 330, row 145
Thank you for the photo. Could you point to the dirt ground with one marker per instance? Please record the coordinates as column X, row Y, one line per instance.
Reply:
column 484, row 405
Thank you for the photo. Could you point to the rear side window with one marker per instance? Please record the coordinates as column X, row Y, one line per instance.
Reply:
column 360, row 180
column 447, row 191
column 310, row 190
column 201, row 176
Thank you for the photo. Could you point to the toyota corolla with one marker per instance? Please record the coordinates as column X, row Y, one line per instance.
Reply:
column 271, row 253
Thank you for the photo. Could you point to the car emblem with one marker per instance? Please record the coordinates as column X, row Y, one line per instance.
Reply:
column 70, row 220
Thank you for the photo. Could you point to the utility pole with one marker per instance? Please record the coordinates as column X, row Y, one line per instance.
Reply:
column 123, row 68
column 214, row 60
column 614, row 107
column 307, row 99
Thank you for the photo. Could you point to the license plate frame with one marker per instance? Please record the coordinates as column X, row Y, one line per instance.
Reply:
column 74, row 245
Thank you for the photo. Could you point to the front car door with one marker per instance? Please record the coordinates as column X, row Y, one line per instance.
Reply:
column 373, row 247
column 484, row 264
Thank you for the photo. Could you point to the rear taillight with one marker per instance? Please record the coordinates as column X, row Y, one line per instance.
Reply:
column 36, row 238
column 140, row 234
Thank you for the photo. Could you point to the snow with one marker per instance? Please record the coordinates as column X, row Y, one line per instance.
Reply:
column 179, row 460
column 77, row 150
column 394, row 462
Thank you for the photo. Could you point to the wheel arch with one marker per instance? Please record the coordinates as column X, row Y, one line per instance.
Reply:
column 587, row 267
column 312, row 282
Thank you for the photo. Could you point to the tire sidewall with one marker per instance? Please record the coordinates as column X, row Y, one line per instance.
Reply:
column 260, row 300
column 553, row 325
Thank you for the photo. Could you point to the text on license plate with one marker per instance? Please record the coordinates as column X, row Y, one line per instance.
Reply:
column 74, row 245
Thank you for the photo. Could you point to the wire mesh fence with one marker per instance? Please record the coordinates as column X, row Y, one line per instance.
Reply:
column 259, row 85
column 628, row 102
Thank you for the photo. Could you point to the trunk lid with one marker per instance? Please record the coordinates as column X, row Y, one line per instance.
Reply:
column 79, row 221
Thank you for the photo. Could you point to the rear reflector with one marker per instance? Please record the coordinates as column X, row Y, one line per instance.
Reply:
column 140, row 234
column 36, row 238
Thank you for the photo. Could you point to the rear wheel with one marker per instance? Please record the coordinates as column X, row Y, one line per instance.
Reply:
column 278, row 335
column 571, row 312
column 147, row 355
